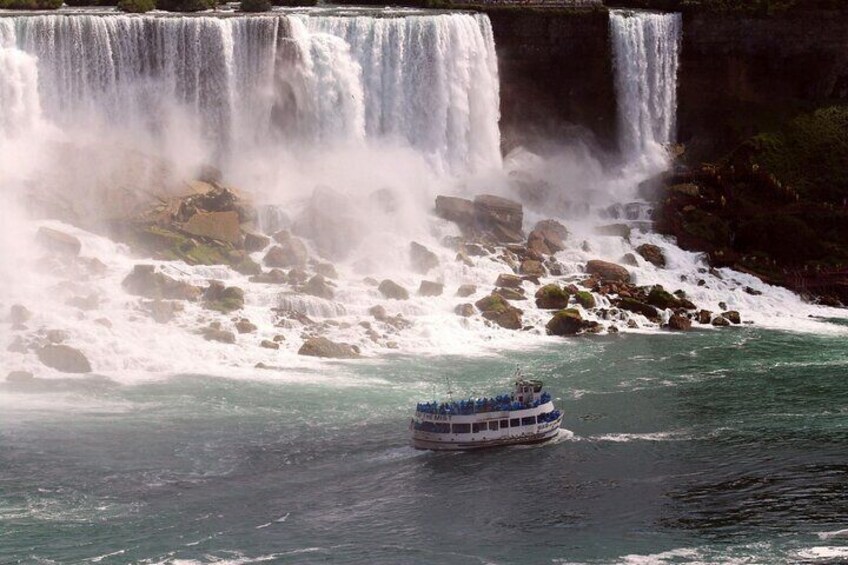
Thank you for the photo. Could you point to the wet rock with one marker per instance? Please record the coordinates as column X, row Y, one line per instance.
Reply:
column 393, row 290
column 614, row 230
column 466, row 290
column 245, row 326
column 297, row 277
column 323, row 347
column 733, row 317
column 59, row 242
column 508, row 281
column 660, row 298
column 499, row 311
column 145, row 281
column 552, row 297
column 637, row 307
column 704, row 317
column 464, row 310
column 501, row 217
column 585, row 298
column 274, row 276
column 606, row 271
column 548, row 237
column 84, row 303
column 255, row 242
column 371, row 281
column 64, row 358
column 163, row 311
column 19, row 315
column 247, row 266
column 378, row 312
column 18, row 377
column 532, row 268
column 223, row 298
column 318, row 286
column 215, row 333
column 679, row 323
column 474, row 250
column 220, row 226
column 431, row 288
column 653, row 254
column 457, row 210
column 267, row 344
column 721, row 321
column 291, row 253
column 510, row 293
column 326, row 270
column 565, row 322
column 422, row 259
column 629, row 259
column 754, row 292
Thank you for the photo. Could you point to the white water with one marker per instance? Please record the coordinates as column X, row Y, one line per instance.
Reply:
column 646, row 49
column 347, row 128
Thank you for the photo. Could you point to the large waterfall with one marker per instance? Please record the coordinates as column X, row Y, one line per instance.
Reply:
column 238, row 82
column 646, row 49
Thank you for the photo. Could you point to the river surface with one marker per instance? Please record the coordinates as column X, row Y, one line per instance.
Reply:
column 713, row 446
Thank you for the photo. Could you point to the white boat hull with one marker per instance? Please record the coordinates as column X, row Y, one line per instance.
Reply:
column 455, row 442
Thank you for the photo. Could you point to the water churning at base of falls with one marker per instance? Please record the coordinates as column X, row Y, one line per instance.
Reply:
column 646, row 50
column 429, row 81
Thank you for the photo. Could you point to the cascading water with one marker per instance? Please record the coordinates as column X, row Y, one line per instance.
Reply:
column 646, row 48
column 428, row 81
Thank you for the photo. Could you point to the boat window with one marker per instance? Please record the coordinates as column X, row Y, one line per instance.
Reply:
column 462, row 428
column 528, row 421
column 442, row 428
column 513, row 423
column 504, row 424
column 493, row 425
column 476, row 428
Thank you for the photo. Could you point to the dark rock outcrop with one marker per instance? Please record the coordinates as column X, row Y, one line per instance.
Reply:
column 652, row 254
column 323, row 347
column 566, row 322
column 606, row 271
column 499, row 311
column 501, row 217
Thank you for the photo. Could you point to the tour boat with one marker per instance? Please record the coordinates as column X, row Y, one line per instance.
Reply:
column 527, row 415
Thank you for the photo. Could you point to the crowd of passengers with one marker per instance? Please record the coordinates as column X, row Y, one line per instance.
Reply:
column 500, row 403
column 492, row 425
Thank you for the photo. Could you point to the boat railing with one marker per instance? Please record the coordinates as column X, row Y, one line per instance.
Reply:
column 500, row 403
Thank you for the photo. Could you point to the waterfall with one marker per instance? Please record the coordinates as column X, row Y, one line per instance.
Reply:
column 646, row 49
column 20, row 108
column 427, row 81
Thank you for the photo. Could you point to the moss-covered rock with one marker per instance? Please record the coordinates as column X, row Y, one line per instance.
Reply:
column 565, row 322
column 585, row 299
column 662, row 299
column 496, row 309
column 637, row 307
column 552, row 297
column 222, row 298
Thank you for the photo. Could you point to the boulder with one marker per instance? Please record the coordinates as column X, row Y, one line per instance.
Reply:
column 464, row 310
column 510, row 293
column 268, row 344
column 63, row 358
column 323, row 347
column 606, row 271
column 499, row 311
column 318, row 286
column 290, row 253
column 19, row 377
column 245, row 326
column 733, row 317
column 630, row 260
column 58, row 242
column 508, row 281
column 393, row 290
column 378, row 312
column 585, row 298
column 552, row 297
column 223, row 298
column 637, row 307
column 421, row 258
column 679, row 323
column 548, row 237
column 431, row 288
column 704, row 317
column 466, row 290
column 721, row 321
column 247, row 266
column 163, row 311
column 145, row 281
column 653, row 254
column 221, row 226
column 297, row 276
column 326, row 270
column 501, row 217
column 255, row 242
column 532, row 268
column 660, row 298
column 565, row 322
column 457, row 210
column 213, row 333
column 19, row 315
column 274, row 276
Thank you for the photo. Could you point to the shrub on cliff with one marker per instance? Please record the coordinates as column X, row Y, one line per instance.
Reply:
column 83, row 3
column 136, row 6
column 186, row 5
column 30, row 4
column 255, row 5
column 295, row 3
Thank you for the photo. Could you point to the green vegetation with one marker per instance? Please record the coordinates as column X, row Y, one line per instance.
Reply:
column 136, row 6
column 295, row 3
column 30, row 4
column 186, row 5
column 740, row 7
column 255, row 5
column 585, row 299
